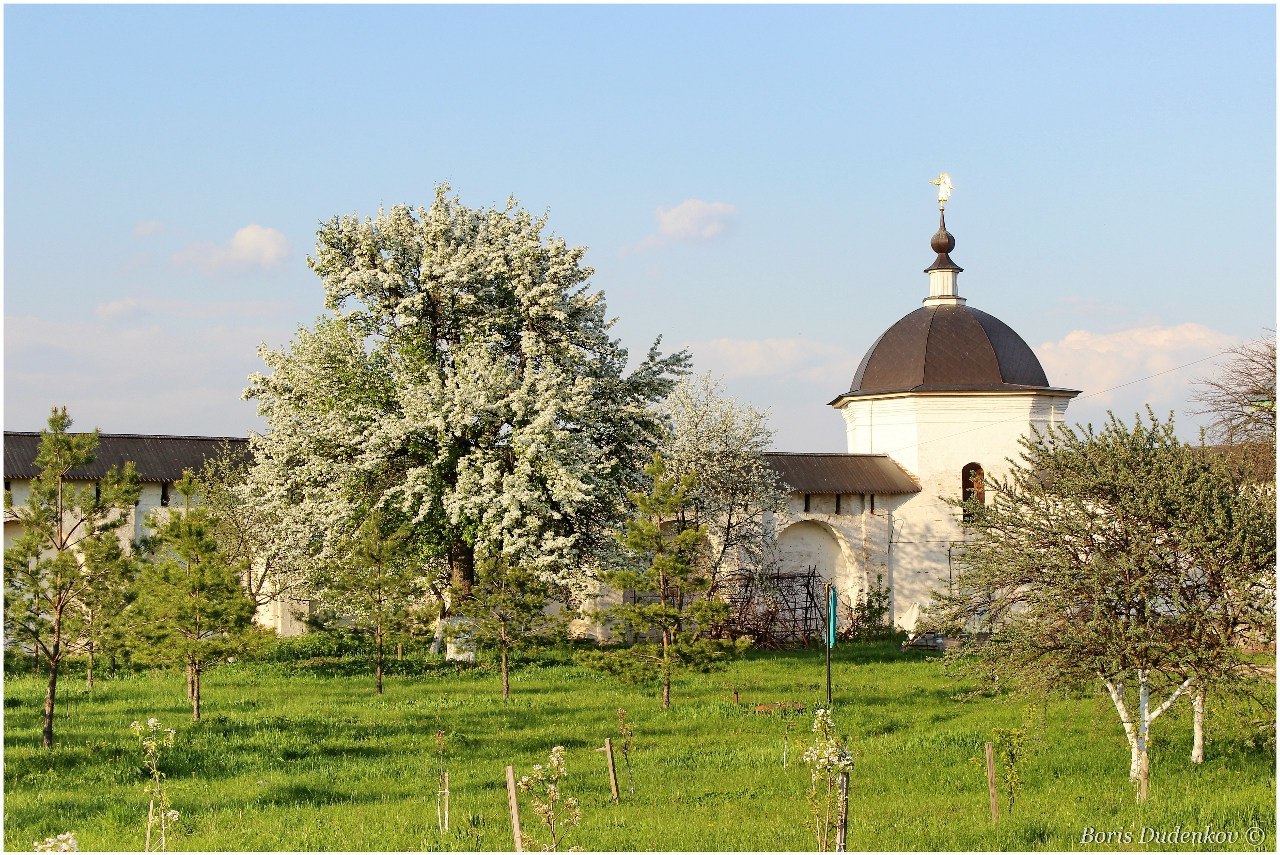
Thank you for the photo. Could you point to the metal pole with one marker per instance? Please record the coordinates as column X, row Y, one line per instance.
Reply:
column 828, row 645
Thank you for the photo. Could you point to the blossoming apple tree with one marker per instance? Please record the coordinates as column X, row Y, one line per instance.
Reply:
column 466, row 385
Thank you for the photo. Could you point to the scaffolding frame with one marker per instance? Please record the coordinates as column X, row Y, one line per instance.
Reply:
column 777, row 608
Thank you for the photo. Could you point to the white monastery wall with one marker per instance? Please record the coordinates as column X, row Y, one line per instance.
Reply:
column 285, row 617
column 934, row 436
column 848, row 547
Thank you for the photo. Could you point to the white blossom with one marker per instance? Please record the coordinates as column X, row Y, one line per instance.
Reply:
column 466, row 380
column 65, row 842
column 721, row 442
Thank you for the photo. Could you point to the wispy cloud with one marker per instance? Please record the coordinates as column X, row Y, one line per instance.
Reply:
column 253, row 246
column 146, row 228
column 157, row 376
column 691, row 221
column 1078, row 304
column 136, row 308
column 1105, row 366
column 797, row 359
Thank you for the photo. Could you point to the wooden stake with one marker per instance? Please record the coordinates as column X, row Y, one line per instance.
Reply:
column 613, row 772
column 842, row 823
column 514, row 804
column 446, row 802
column 991, row 784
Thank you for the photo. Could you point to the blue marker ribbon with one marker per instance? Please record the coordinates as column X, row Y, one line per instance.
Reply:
column 831, row 617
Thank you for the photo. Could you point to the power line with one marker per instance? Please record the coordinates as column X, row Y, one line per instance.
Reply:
column 986, row 425
column 1158, row 373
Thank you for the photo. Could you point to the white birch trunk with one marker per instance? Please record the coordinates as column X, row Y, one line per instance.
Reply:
column 1144, row 725
column 1197, row 726
column 1116, row 690
column 1138, row 733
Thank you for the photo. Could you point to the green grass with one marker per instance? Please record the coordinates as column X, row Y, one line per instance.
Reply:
column 306, row 757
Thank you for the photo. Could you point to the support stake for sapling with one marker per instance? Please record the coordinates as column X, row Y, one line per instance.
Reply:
column 514, row 803
column 607, row 750
column 991, row 784
column 613, row 771
column 842, row 822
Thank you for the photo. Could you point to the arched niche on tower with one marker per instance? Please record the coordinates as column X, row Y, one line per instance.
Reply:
column 808, row 544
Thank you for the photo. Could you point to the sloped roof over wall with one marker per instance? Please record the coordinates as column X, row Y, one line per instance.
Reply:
column 157, row 458
column 841, row 473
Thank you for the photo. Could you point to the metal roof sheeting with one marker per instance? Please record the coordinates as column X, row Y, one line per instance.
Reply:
column 157, row 458
column 948, row 348
column 841, row 473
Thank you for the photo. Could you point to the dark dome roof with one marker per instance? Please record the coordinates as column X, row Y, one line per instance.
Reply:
column 948, row 348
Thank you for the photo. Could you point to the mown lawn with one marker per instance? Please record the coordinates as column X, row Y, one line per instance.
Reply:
column 305, row 757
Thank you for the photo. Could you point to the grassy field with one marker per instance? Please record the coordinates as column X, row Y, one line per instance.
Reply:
column 303, row 756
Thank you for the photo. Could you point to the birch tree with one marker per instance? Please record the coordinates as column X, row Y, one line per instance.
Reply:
column 1123, row 556
column 465, row 381
column 57, row 568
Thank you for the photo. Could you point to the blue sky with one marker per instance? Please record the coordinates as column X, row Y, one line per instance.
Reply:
column 751, row 182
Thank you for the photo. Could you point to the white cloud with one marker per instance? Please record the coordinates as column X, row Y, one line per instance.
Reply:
column 251, row 247
column 1126, row 370
column 154, row 377
column 691, row 221
column 146, row 228
column 1078, row 304
column 130, row 306
column 133, row 308
column 796, row 359
column 695, row 220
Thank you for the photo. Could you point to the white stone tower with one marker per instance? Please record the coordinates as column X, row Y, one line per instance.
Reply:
column 946, row 392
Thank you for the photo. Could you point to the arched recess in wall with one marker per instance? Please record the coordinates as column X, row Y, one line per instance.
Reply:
column 973, row 486
column 809, row 543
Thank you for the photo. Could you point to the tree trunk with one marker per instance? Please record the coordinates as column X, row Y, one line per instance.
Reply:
column 89, row 672
column 1144, row 730
column 191, row 685
column 378, row 667
column 49, row 695
column 195, row 691
column 1197, row 726
column 462, row 567
column 399, row 651
column 666, row 669
column 437, row 639
column 1144, row 774
column 1138, row 732
column 506, row 684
